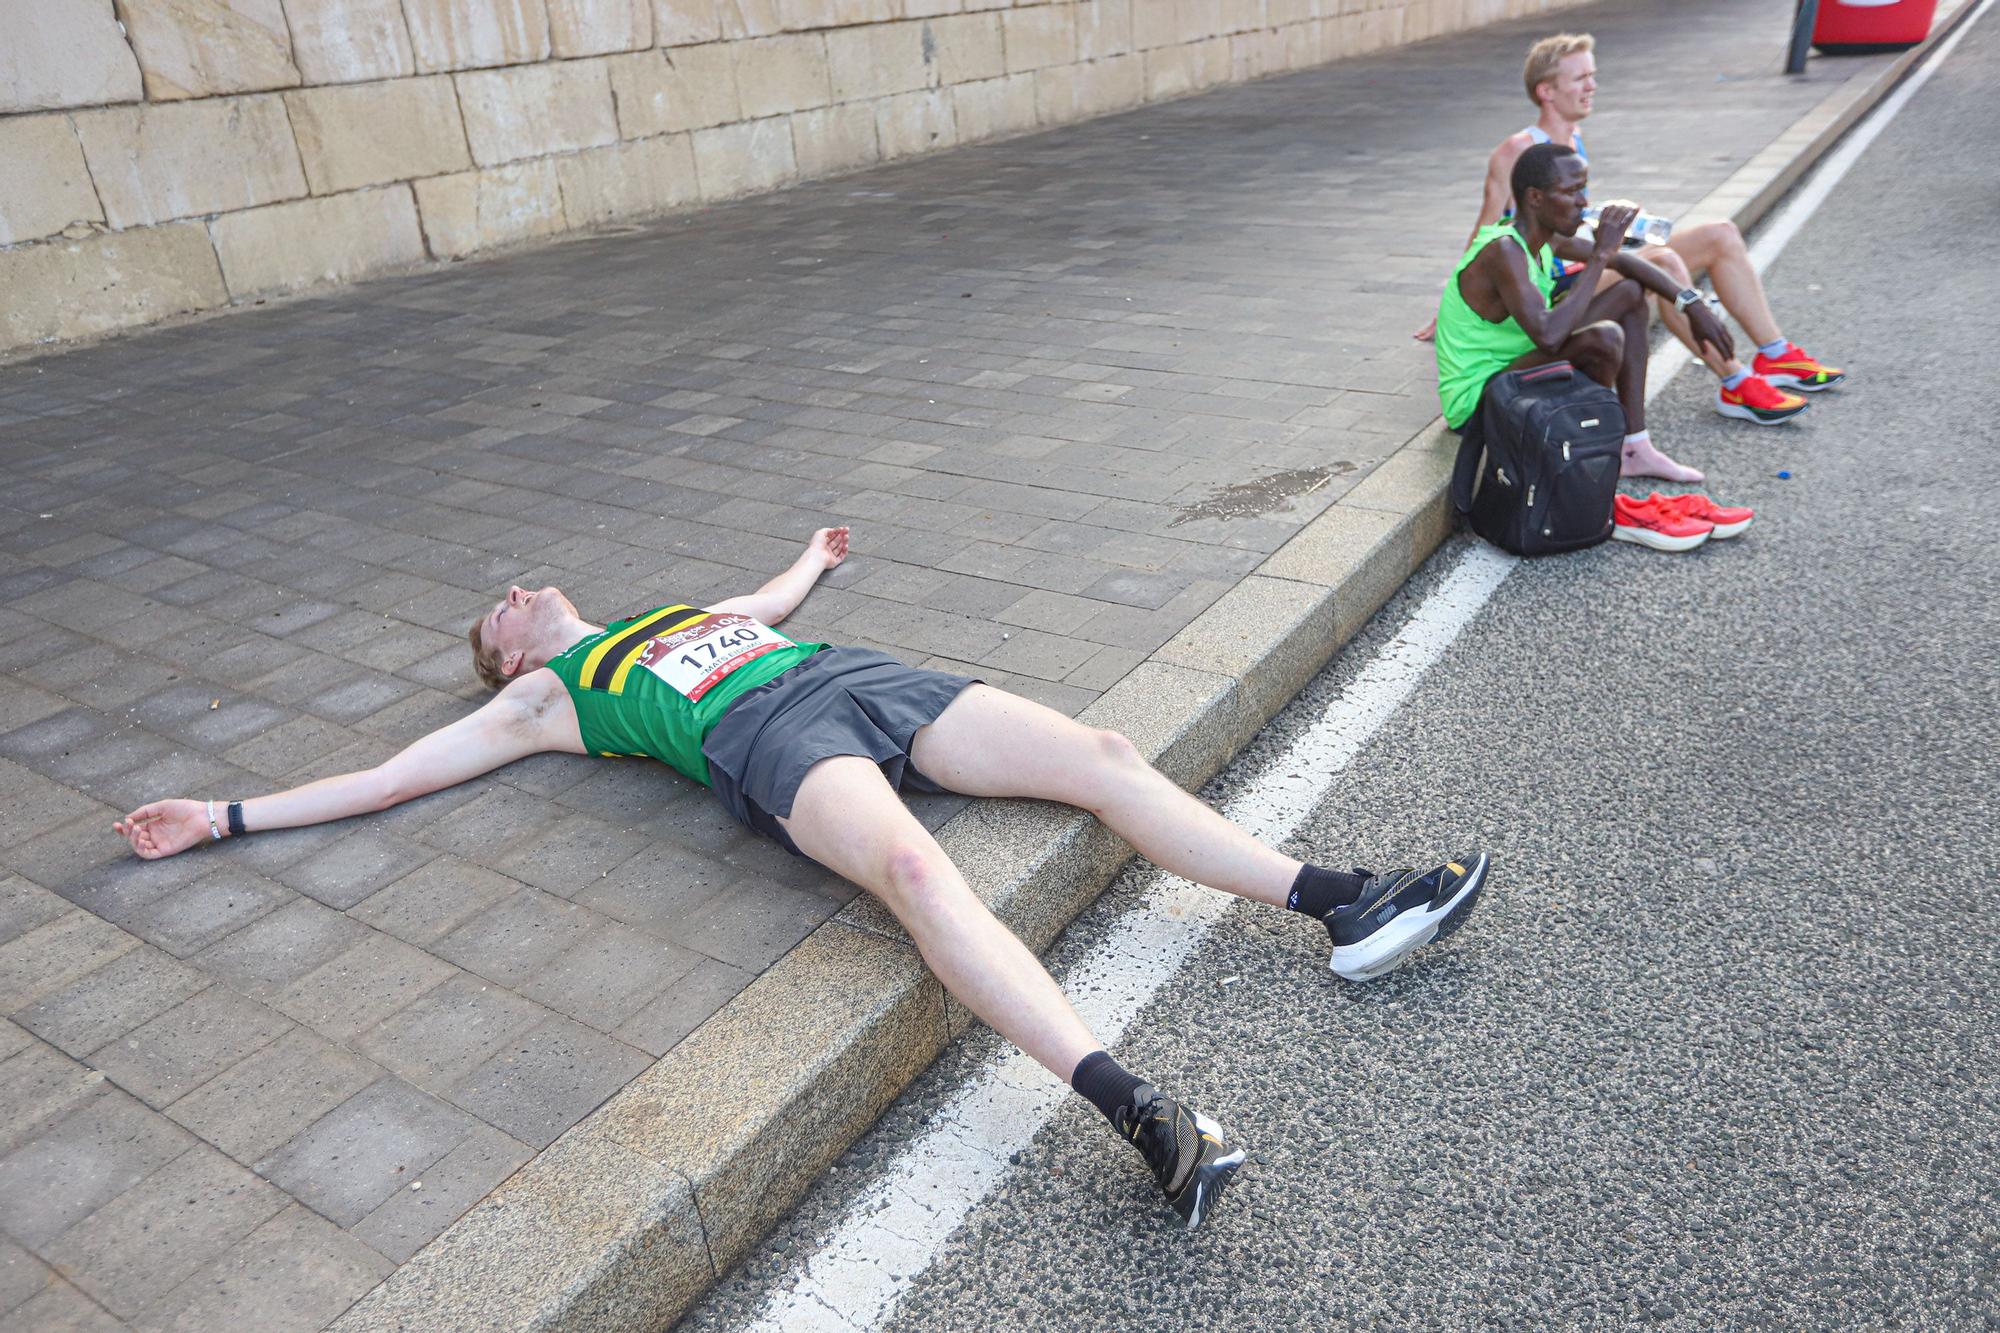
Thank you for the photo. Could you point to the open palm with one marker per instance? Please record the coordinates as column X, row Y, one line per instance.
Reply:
column 831, row 544
column 164, row 827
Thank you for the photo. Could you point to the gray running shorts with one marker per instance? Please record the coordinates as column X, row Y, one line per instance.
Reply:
column 838, row 701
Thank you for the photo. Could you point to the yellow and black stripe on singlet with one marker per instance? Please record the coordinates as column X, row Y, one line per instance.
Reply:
column 609, row 664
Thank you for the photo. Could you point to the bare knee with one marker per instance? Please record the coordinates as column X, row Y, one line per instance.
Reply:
column 913, row 876
column 1602, row 341
column 1673, row 266
column 1598, row 348
column 1116, row 749
column 1109, row 763
column 1701, row 246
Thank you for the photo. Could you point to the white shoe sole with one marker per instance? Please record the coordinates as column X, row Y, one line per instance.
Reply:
column 1724, row 531
column 1798, row 385
column 1660, row 541
column 1746, row 414
column 1388, row 948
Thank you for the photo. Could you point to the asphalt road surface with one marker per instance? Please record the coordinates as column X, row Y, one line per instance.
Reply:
column 1719, row 1047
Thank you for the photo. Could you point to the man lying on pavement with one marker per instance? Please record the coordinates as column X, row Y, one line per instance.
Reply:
column 808, row 744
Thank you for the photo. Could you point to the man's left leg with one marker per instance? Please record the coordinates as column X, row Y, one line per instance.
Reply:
column 991, row 743
column 1718, row 249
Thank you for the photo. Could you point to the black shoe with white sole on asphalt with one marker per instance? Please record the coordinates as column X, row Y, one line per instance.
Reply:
column 1399, row 912
column 1188, row 1154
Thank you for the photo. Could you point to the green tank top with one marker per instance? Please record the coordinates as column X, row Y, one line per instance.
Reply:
column 656, row 684
column 1471, row 348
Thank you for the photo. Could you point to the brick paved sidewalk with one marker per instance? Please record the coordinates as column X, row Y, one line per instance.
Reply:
column 1068, row 389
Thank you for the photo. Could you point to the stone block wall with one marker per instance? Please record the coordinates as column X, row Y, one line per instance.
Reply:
column 165, row 156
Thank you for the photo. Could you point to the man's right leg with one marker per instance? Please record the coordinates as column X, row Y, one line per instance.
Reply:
column 848, row 818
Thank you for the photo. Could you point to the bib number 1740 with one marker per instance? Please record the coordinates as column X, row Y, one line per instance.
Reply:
column 693, row 659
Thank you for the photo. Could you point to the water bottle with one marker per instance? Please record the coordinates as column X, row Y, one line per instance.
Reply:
column 1646, row 229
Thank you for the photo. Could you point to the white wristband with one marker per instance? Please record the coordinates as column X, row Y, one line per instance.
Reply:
column 214, row 830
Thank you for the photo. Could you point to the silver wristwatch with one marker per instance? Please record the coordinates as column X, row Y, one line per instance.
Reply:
column 1684, row 298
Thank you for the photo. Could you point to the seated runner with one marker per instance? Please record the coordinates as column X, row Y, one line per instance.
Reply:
column 807, row 744
column 1561, row 79
column 1495, row 312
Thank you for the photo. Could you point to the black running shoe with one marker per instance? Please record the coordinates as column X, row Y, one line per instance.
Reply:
column 1185, row 1150
column 1400, row 912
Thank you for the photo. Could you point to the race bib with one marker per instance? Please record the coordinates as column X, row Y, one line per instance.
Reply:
column 693, row 658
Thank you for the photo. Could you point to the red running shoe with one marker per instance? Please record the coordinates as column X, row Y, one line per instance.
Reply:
column 1651, row 523
column 1755, row 400
column 1729, row 520
column 1794, row 369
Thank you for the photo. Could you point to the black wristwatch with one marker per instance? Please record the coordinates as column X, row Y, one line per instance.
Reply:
column 1684, row 298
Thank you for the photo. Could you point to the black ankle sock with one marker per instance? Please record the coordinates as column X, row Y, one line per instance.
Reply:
column 1318, row 890
column 1099, row 1079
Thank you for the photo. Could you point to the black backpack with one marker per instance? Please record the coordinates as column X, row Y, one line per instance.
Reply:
column 1551, row 440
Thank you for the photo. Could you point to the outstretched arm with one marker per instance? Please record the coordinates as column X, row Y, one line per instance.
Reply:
column 521, row 720
column 781, row 596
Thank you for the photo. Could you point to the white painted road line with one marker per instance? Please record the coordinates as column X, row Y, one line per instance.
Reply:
column 892, row 1233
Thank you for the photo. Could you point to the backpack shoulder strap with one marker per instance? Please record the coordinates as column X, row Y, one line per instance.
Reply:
column 1465, row 470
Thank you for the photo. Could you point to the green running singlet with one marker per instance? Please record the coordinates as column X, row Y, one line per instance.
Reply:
column 1471, row 348
column 655, row 685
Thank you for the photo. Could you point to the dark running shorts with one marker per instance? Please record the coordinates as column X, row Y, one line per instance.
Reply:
column 840, row 701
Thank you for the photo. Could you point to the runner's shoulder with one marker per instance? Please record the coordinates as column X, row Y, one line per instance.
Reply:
column 1511, row 147
column 1507, row 249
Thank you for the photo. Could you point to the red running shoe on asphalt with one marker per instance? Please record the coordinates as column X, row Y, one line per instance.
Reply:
column 1651, row 523
column 1794, row 369
column 1755, row 400
column 1729, row 520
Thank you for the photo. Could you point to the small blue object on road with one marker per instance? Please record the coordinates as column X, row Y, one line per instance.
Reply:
column 1784, row 476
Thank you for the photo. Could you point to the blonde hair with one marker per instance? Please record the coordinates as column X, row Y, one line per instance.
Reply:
column 1545, row 55
column 485, row 660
